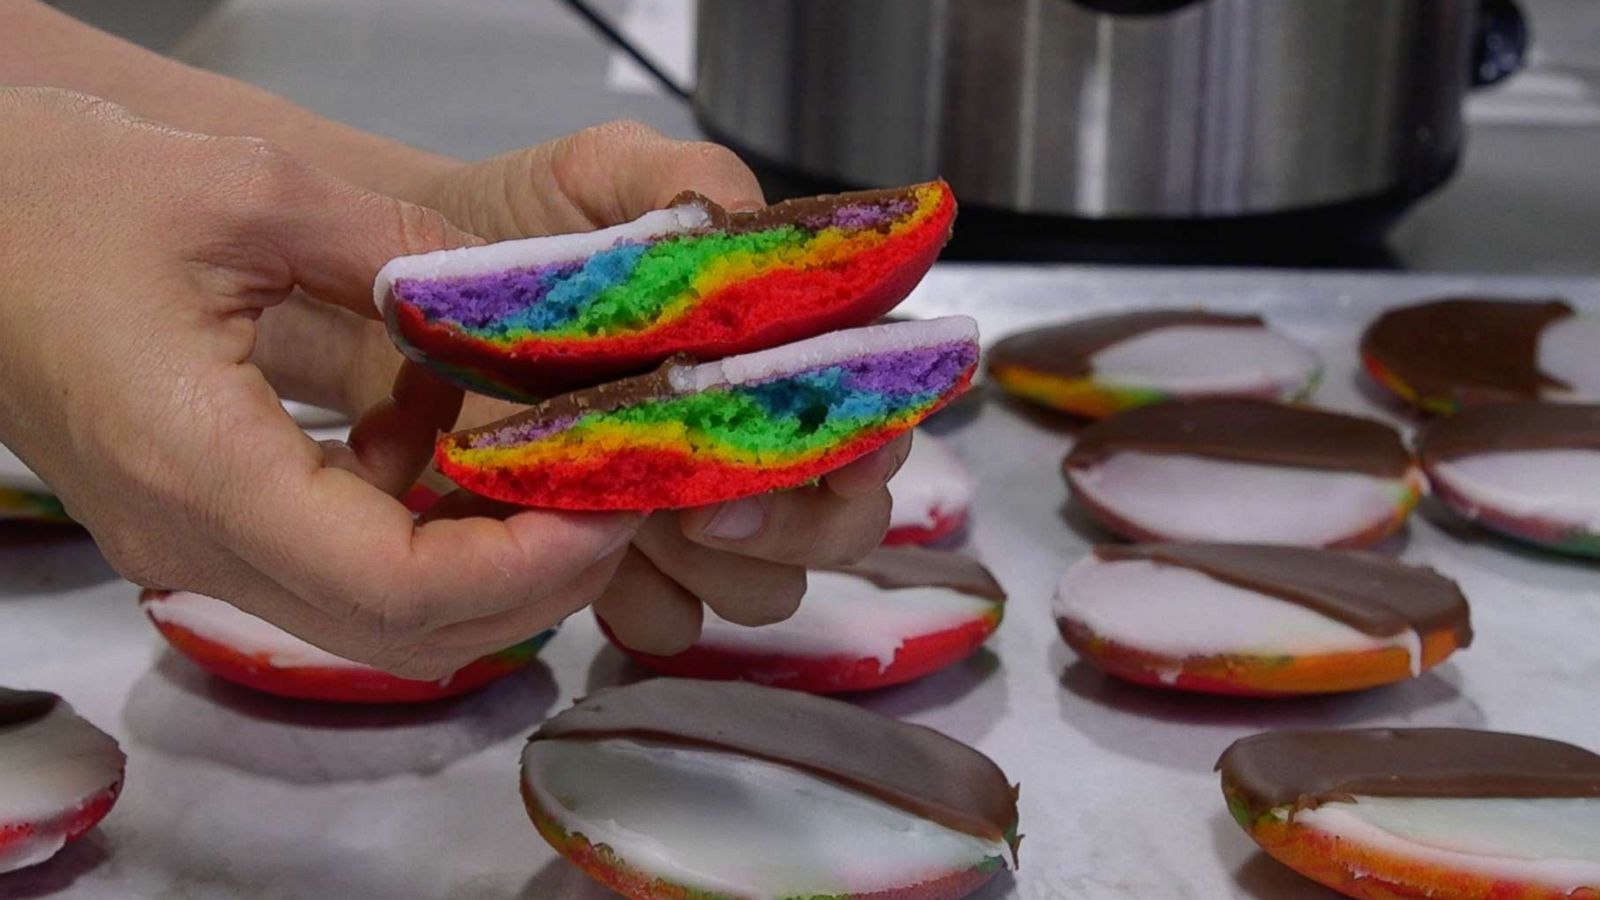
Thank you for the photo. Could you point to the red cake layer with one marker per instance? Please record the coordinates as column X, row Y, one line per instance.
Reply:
column 777, row 308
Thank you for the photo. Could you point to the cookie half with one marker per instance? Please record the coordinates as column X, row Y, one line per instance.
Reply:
column 1103, row 365
column 1530, row 471
column 695, row 434
column 1445, row 354
column 1422, row 812
column 932, row 494
column 1258, row 620
column 252, row 652
column 898, row 615
column 1244, row 471
column 527, row 318
column 59, row 776
column 671, row 789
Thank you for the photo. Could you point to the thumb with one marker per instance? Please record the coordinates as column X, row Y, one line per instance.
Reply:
column 334, row 237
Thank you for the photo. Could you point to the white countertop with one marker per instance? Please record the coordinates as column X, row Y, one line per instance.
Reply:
column 235, row 795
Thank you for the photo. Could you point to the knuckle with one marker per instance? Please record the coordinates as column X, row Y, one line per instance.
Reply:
column 418, row 228
column 708, row 155
column 619, row 131
column 266, row 177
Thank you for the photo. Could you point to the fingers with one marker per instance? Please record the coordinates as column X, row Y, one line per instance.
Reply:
column 647, row 611
column 870, row 472
column 332, row 237
column 325, row 355
column 392, row 443
column 742, row 589
column 812, row 527
column 338, row 542
column 621, row 170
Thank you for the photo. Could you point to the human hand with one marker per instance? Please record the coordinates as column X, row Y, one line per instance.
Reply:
column 746, row 560
column 137, row 260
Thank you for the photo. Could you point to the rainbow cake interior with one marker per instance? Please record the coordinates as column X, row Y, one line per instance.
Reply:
column 692, row 434
column 693, row 278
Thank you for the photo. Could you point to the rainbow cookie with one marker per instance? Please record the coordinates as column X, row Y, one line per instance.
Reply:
column 690, row 435
column 1530, row 471
column 59, row 776
column 524, row 319
column 1101, row 366
column 1445, row 354
column 1451, row 814
column 702, row 790
column 239, row 647
column 898, row 615
column 932, row 494
column 1258, row 620
column 1244, row 471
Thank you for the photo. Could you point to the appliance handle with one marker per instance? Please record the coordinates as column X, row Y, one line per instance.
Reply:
column 1134, row 7
column 617, row 39
column 1500, row 42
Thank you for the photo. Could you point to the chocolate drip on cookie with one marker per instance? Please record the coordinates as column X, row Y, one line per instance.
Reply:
column 894, row 568
column 1368, row 592
column 1067, row 350
column 21, row 707
column 1466, row 349
column 1504, row 427
column 1306, row 768
column 911, row 767
column 1248, row 431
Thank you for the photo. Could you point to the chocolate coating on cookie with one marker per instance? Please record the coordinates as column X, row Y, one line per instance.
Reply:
column 1466, row 349
column 894, row 568
column 1368, row 592
column 21, row 707
column 1504, row 427
column 1255, row 431
column 908, row 766
column 1067, row 349
column 1306, row 768
column 804, row 212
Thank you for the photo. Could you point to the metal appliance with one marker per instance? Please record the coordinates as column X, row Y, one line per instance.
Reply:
column 1334, row 113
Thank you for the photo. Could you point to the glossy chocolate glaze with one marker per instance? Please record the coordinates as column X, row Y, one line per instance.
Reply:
column 1305, row 768
column 1248, row 431
column 21, row 707
column 1369, row 592
column 909, row 766
column 1466, row 349
column 804, row 212
column 1503, row 427
column 894, row 568
column 1065, row 350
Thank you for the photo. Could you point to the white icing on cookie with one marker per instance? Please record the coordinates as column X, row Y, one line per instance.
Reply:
column 533, row 252
column 1179, row 613
column 1207, row 360
column 226, row 624
column 824, row 350
column 52, row 766
column 1567, row 353
column 1552, row 842
column 725, row 823
column 1558, row 486
column 933, row 485
column 843, row 615
column 1194, row 498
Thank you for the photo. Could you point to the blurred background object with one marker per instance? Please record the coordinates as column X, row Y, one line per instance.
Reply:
column 1328, row 99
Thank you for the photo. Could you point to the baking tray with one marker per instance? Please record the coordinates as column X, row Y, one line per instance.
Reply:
column 235, row 795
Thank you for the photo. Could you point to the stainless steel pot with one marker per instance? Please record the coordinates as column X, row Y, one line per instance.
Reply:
column 1101, row 109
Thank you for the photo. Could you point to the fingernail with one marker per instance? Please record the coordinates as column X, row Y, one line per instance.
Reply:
column 738, row 520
